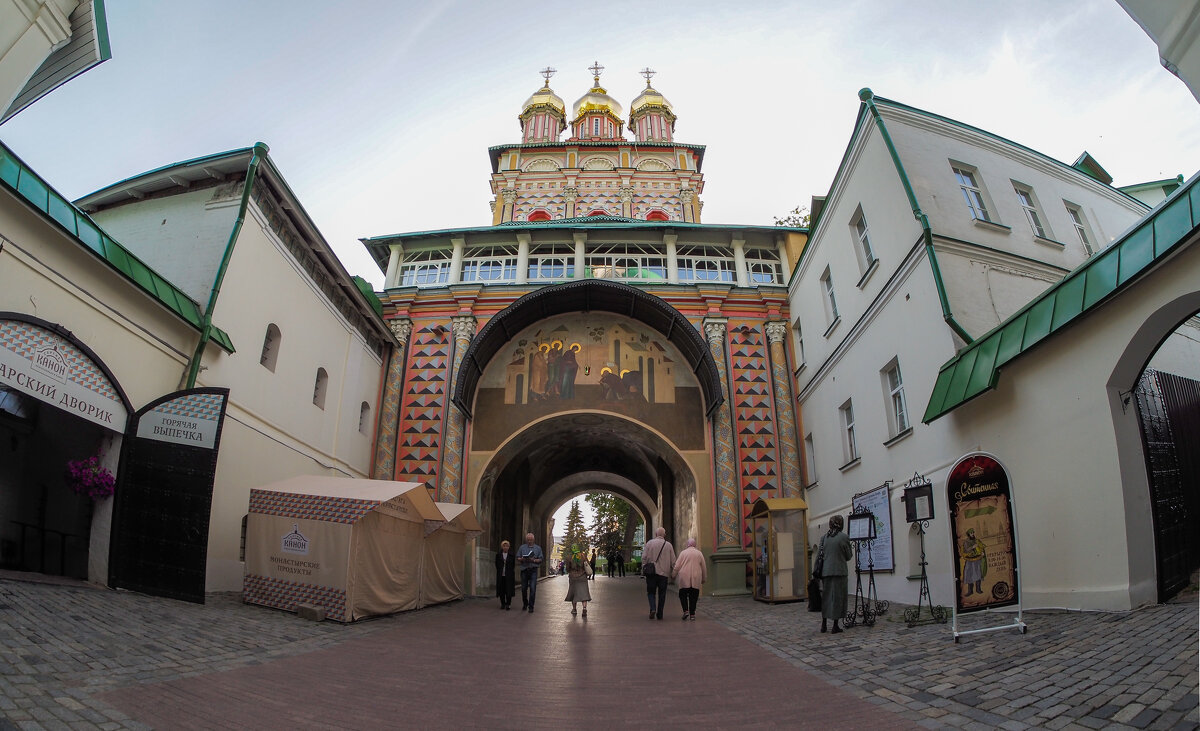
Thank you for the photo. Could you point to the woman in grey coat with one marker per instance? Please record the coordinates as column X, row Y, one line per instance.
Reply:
column 835, row 552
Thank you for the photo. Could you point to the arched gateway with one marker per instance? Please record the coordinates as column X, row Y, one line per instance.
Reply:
column 541, row 360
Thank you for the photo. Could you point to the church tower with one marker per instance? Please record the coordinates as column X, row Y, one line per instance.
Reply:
column 596, row 170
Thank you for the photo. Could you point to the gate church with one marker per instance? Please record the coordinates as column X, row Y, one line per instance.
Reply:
column 595, row 337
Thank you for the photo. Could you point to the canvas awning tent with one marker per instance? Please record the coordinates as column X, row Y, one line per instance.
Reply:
column 445, row 553
column 354, row 547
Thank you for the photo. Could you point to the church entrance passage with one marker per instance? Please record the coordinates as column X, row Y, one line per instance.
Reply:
column 569, row 455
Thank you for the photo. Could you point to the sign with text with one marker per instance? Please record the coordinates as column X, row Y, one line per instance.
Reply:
column 876, row 500
column 982, row 529
column 192, row 418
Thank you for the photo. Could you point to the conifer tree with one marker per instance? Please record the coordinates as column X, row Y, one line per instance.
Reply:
column 575, row 539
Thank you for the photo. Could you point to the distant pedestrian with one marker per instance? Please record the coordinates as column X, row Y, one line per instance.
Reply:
column 690, row 571
column 506, row 574
column 529, row 556
column 659, row 552
column 578, row 571
column 592, row 564
column 832, row 557
column 620, row 564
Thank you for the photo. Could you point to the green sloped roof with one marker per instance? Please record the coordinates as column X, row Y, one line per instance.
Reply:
column 976, row 368
column 28, row 185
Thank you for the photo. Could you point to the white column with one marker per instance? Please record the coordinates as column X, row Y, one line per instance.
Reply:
column 580, row 252
column 523, row 258
column 456, row 258
column 739, row 262
column 672, row 259
column 784, row 263
column 391, row 279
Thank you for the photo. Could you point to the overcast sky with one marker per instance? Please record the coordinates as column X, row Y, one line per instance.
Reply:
column 379, row 114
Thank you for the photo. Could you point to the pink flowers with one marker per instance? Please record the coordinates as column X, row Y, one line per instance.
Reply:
column 87, row 477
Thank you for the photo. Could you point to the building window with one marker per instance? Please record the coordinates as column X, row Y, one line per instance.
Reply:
column 270, row 348
column 971, row 192
column 849, row 443
column 629, row 262
column 862, row 246
column 810, row 457
column 893, row 386
column 1081, row 227
column 705, row 263
column 831, row 311
column 1029, row 205
column 320, row 387
column 762, row 265
column 798, row 334
column 490, row 264
column 364, row 417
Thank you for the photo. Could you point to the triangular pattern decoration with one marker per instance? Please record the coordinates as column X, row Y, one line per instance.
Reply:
column 423, row 405
column 753, row 417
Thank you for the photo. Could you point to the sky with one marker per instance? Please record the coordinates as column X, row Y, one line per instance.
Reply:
column 379, row 114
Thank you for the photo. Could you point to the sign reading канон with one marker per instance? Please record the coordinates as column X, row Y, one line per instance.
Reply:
column 981, row 526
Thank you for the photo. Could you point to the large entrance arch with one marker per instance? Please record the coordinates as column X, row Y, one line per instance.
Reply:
column 570, row 454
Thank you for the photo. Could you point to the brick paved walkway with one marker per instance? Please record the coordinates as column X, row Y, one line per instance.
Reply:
column 75, row 657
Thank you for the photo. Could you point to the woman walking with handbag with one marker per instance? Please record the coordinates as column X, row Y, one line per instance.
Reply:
column 578, row 570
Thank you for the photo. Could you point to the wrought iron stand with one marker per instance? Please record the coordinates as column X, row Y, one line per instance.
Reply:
column 912, row 615
column 866, row 605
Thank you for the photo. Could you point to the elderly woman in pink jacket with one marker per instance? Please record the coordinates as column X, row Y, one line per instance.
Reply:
column 690, row 571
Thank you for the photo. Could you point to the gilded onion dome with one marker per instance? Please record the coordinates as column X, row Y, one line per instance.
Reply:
column 597, row 99
column 650, row 99
column 651, row 118
column 544, row 99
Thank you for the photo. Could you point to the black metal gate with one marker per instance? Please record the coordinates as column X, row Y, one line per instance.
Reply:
column 164, row 497
column 1169, row 411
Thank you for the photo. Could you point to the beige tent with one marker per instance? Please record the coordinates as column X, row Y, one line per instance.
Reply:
column 445, row 553
column 354, row 547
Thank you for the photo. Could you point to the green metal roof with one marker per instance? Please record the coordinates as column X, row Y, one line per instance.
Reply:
column 28, row 185
column 976, row 368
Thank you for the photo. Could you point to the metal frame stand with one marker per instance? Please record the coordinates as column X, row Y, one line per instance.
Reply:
column 912, row 615
column 866, row 605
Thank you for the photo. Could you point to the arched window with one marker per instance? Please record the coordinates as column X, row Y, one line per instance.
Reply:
column 270, row 349
column 657, row 216
column 320, row 387
column 539, row 215
column 364, row 417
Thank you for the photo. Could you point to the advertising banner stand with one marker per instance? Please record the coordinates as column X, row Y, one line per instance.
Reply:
column 983, row 534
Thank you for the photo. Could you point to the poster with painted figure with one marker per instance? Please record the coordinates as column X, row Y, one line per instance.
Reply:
column 981, row 527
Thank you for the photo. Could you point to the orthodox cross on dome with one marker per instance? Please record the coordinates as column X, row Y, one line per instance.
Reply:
column 596, row 68
column 547, row 73
column 647, row 72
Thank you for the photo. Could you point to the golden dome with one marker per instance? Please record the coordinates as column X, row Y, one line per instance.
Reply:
column 649, row 98
column 544, row 97
column 597, row 99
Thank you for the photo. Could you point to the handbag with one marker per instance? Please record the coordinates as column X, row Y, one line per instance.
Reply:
column 648, row 567
column 814, row 594
column 819, row 564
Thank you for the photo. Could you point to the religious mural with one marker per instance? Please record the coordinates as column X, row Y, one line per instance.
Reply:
column 581, row 361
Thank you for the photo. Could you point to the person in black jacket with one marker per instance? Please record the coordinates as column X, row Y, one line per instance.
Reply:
column 506, row 572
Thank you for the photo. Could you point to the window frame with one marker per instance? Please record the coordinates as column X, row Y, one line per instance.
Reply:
column 1083, row 231
column 269, row 358
column 364, row 414
column 1031, row 207
column 320, row 388
column 848, row 432
column 972, row 188
column 829, row 298
column 860, row 231
column 810, row 458
column 899, row 420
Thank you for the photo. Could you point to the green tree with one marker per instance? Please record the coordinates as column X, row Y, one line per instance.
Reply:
column 575, row 536
column 798, row 217
column 614, row 523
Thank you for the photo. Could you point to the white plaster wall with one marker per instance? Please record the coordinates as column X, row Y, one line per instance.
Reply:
column 926, row 147
column 985, row 290
column 182, row 237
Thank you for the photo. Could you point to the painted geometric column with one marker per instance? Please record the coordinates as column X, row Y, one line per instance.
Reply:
column 785, row 415
column 723, row 452
column 384, row 466
column 450, row 486
column 753, row 421
column 729, row 560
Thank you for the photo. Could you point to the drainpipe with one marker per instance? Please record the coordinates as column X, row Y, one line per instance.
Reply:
column 868, row 98
column 260, row 151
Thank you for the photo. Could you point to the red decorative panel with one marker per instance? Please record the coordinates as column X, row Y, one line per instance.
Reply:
column 753, row 419
column 418, row 451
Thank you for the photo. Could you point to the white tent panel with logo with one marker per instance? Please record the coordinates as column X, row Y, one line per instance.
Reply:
column 446, row 552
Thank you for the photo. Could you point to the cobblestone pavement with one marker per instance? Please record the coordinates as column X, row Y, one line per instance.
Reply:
column 67, row 651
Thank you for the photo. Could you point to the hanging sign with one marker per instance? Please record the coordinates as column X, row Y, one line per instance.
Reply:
column 876, row 501
column 981, row 526
column 192, row 418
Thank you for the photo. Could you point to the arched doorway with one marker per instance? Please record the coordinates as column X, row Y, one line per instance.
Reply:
column 1156, row 411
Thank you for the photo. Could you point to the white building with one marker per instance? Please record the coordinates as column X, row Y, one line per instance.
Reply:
column 933, row 234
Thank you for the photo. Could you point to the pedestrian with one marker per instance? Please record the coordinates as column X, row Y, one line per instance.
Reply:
column 690, row 571
column 592, row 564
column 578, row 571
column 621, row 564
column 529, row 556
column 658, row 556
column 832, row 557
column 506, row 574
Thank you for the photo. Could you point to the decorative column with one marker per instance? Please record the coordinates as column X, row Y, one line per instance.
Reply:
column 785, row 414
column 669, row 240
column 459, row 245
column 729, row 560
column 686, row 196
column 391, row 279
column 626, row 194
column 523, row 241
column 384, row 465
column 739, row 262
column 510, row 197
column 570, row 195
column 450, row 486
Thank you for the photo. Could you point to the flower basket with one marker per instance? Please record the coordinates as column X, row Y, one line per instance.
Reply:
column 87, row 477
